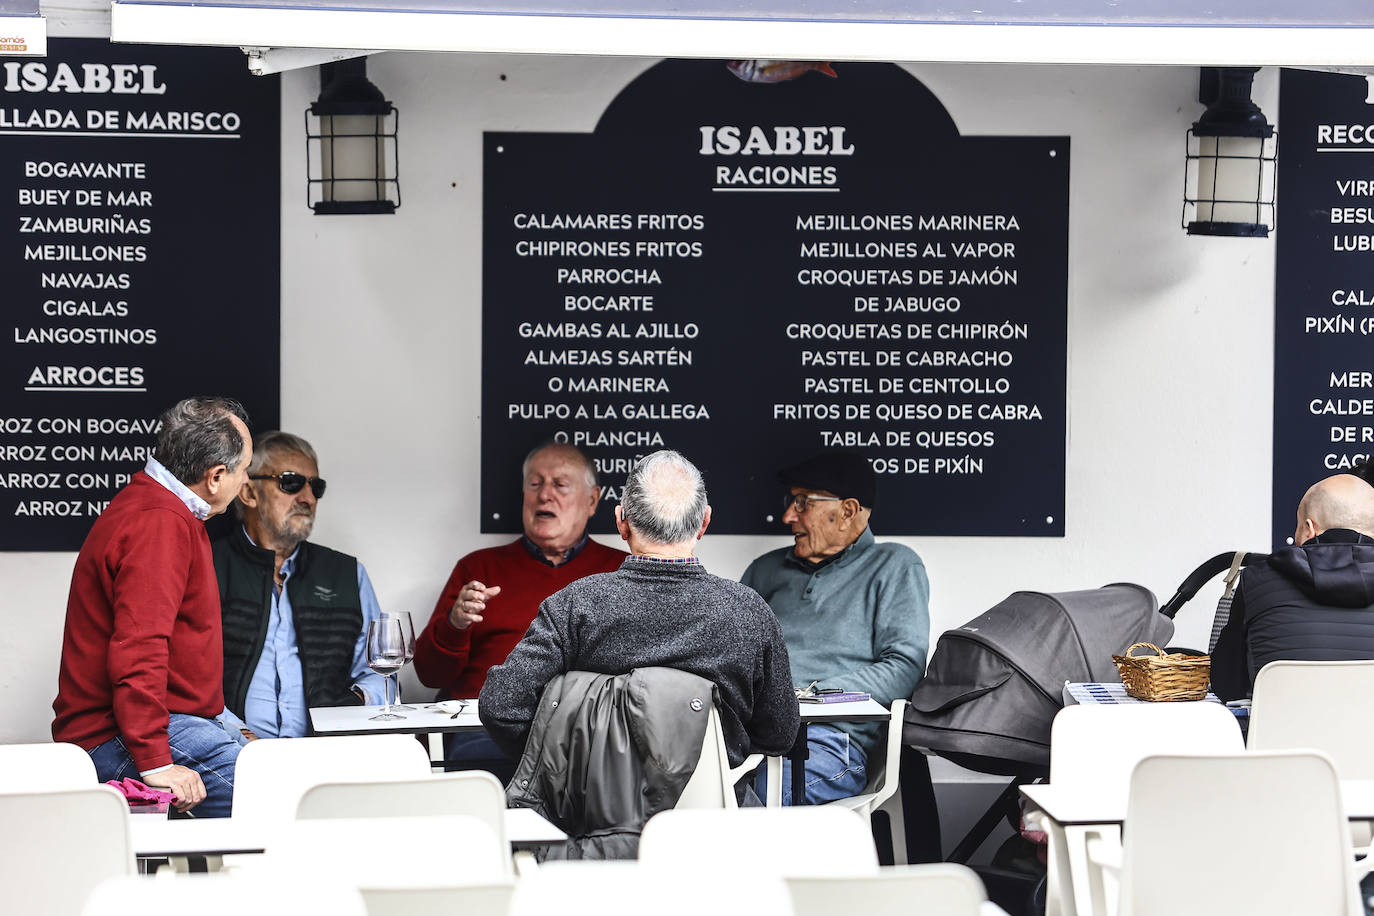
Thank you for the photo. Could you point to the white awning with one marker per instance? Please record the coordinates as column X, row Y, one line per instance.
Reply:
column 1324, row 33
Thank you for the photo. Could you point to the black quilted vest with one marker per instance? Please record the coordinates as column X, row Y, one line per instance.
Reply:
column 325, row 606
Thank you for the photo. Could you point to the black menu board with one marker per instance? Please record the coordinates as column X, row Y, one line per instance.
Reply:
column 752, row 272
column 1324, row 286
column 139, row 241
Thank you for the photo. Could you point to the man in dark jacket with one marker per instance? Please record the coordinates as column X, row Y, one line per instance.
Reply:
column 1313, row 601
column 294, row 613
column 660, row 609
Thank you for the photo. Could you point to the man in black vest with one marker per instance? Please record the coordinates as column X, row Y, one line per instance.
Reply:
column 1313, row 601
column 295, row 613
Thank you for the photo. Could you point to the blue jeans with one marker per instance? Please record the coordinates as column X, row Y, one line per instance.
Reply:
column 476, row 751
column 835, row 768
column 208, row 746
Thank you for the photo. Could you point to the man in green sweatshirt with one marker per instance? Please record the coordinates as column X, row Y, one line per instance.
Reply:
column 853, row 612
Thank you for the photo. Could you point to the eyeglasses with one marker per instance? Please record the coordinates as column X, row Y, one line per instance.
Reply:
column 292, row 482
column 802, row 501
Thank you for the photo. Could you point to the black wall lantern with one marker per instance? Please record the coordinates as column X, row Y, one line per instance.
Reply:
column 350, row 144
column 1232, row 152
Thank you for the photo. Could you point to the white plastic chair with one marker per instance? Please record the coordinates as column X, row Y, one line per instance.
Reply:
column 474, row 793
column 366, row 852
column 713, row 781
column 493, row 899
column 43, row 767
column 881, row 792
column 224, row 894
column 760, row 841
column 1094, row 749
column 1099, row 746
column 949, row 890
column 1318, row 705
column 634, row 889
column 1314, row 704
column 60, row 845
column 1262, row 833
column 273, row 773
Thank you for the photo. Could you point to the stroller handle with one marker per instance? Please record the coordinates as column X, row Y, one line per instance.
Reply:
column 1204, row 574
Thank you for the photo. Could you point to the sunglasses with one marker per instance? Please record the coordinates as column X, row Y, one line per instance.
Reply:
column 291, row 482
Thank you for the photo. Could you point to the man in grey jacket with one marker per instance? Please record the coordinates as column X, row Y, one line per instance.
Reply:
column 661, row 608
column 854, row 611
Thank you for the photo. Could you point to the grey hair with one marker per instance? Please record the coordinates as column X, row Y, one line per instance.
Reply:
column 664, row 499
column 572, row 451
column 270, row 444
column 197, row 434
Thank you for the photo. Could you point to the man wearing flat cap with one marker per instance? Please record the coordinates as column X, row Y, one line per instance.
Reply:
column 853, row 612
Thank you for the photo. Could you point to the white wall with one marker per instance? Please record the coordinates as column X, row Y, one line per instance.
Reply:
column 1170, row 348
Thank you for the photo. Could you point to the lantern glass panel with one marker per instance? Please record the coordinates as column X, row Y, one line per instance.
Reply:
column 353, row 161
column 1229, row 179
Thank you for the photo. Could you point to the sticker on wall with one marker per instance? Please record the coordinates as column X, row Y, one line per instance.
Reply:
column 1323, row 286
column 141, row 267
column 755, row 261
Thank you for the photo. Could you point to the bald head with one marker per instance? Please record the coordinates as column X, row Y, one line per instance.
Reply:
column 1342, row 501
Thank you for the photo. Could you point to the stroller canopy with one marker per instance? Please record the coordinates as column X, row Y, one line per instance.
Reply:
column 994, row 684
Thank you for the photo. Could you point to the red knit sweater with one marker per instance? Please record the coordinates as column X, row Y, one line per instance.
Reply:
column 456, row 661
column 143, row 635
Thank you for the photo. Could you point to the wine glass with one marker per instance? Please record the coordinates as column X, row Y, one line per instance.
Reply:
column 386, row 654
column 408, row 634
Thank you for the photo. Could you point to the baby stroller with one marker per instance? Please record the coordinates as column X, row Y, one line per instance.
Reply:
column 993, row 686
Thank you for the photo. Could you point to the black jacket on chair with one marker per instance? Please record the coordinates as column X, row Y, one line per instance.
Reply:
column 1309, row 603
column 607, row 752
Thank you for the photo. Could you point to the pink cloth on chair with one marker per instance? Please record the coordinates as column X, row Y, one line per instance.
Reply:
column 140, row 795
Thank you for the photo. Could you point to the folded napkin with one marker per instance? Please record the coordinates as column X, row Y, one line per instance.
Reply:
column 139, row 794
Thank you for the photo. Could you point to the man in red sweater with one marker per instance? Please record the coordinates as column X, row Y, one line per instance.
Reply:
column 140, row 686
column 493, row 594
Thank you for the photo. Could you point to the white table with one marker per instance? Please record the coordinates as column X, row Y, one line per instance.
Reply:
column 869, row 710
column 1071, row 806
column 157, row 837
column 1079, row 813
column 854, row 711
column 357, row 720
column 1110, row 694
column 424, row 720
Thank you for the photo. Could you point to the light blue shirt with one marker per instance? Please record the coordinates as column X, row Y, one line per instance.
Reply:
column 275, row 705
column 155, row 469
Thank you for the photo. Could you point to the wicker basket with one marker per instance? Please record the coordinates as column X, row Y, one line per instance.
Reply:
column 1163, row 676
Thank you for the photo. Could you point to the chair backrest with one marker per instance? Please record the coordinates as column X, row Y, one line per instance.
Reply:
column 764, row 841
column 60, row 845
column 273, row 773
column 1318, row 705
column 1260, row 833
column 43, row 767
column 491, row 899
column 888, row 764
column 710, row 785
column 950, row 890
column 260, row 892
column 475, row 793
column 589, row 888
column 440, row 851
column 1096, row 747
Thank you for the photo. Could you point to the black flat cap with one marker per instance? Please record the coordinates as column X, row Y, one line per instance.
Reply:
column 845, row 474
